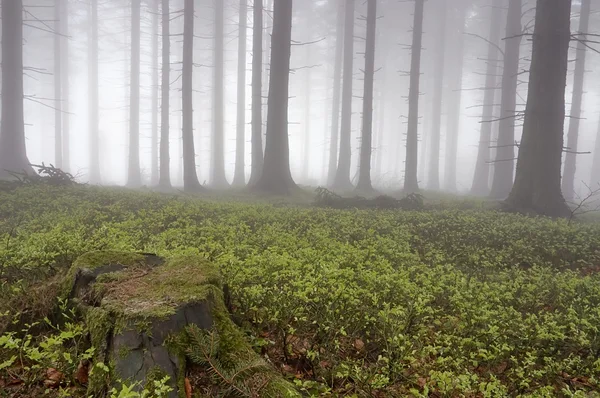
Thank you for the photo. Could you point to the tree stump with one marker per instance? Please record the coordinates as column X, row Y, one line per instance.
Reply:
column 137, row 305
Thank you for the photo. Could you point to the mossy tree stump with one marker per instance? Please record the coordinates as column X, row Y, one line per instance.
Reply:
column 137, row 306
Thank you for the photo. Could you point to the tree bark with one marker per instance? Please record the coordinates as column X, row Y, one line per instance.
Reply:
column 504, row 163
column 218, row 168
column 154, row 137
column 568, row 181
column 165, row 159
column 257, row 51
column 66, row 125
column 93, row 104
column 342, row 176
column 13, row 152
column 190, row 178
column 411, row 183
column 366, row 148
column 276, row 177
column 337, row 83
column 58, row 146
column 453, row 122
column 438, row 89
column 134, row 179
column 481, row 177
column 537, row 184
column 239, row 178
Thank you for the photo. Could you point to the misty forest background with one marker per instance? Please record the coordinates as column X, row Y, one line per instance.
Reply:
column 382, row 94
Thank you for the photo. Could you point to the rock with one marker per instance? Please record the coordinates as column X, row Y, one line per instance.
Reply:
column 137, row 306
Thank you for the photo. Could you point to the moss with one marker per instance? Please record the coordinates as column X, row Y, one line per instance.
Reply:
column 100, row 326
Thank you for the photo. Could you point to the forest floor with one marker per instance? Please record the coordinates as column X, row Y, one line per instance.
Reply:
column 453, row 299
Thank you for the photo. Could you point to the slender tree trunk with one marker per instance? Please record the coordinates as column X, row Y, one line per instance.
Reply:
column 190, row 178
column 504, row 163
column 66, row 125
column 481, row 178
column 58, row 146
column 568, row 181
column 257, row 51
column 266, row 65
column 337, row 83
column 276, row 177
column 13, row 152
column 438, row 89
column 154, row 138
column 453, row 128
column 366, row 147
column 307, row 116
column 218, row 170
column 239, row 178
column 165, row 158
column 342, row 176
column 411, row 183
column 93, row 109
column 134, row 180
column 537, row 184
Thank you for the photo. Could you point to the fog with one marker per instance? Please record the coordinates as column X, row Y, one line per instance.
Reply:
column 311, row 87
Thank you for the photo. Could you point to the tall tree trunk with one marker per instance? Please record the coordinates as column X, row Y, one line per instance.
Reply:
column 66, row 125
column 337, row 83
column 190, row 178
column 453, row 122
column 239, row 178
column 257, row 51
column 134, row 180
column 537, row 184
column 165, row 158
column 568, row 181
column 504, row 163
column 154, row 137
column 13, row 152
column 307, row 108
column 366, row 147
column 93, row 105
column 218, row 170
column 481, row 177
column 411, row 183
column 438, row 89
column 266, row 65
column 58, row 146
column 276, row 177
column 381, row 133
column 342, row 176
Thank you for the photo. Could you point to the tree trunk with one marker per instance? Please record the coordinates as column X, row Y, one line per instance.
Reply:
column 411, row 183
column 276, row 177
column 342, row 176
column 505, row 153
column 438, row 89
column 337, row 83
column 537, row 184
column 93, row 104
column 190, row 178
column 218, row 170
column 58, row 146
column 257, row 50
column 239, row 178
column 134, row 180
column 453, row 122
column 165, row 158
column 366, row 148
column 307, row 116
column 568, row 181
column 13, row 152
column 481, row 177
column 154, row 137
column 66, row 125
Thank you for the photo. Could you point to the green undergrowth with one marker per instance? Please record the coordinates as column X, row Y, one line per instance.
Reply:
column 445, row 302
